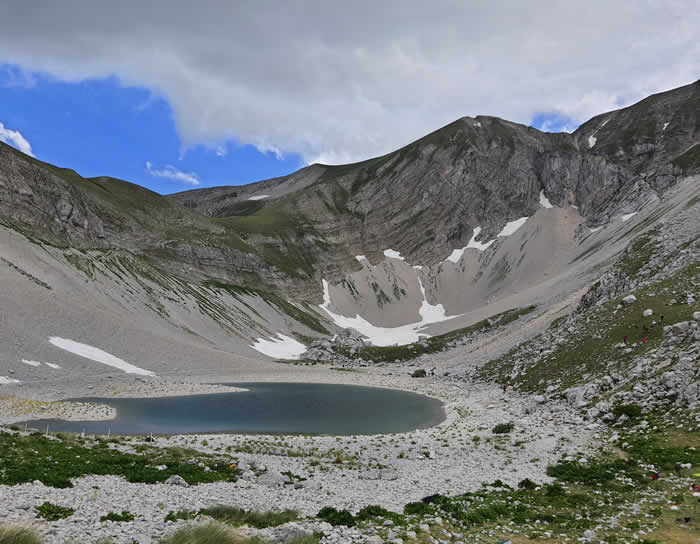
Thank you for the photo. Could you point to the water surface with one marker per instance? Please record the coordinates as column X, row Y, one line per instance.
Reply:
column 267, row 408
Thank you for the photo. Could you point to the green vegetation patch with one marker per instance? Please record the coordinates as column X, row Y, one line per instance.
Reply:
column 597, row 348
column 124, row 516
column 503, row 428
column 54, row 461
column 53, row 512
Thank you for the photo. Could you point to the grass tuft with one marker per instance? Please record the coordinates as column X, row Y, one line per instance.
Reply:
column 18, row 534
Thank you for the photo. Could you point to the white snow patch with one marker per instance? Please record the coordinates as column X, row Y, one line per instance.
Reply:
column 31, row 363
column 98, row 355
column 53, row 365
column 282, row 347
column 544, row 201
column 594, row 229
column 574, row 206
column 604, row 123
column 665, row 125
column 417, row 267
column 628, row 216
column 392, row 254
column 591, row 141
column 258, row 197
column 477, row 124
column 4, row 380
column 360, row 258
column 456, row 254
column 512, row 226
column 388, row 336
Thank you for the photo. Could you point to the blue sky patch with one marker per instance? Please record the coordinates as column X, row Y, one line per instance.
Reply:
column 100, row 128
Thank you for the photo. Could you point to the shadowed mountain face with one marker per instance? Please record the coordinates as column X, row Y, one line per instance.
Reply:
column 451, row 208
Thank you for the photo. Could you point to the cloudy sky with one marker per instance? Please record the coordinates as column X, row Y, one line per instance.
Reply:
column 174, row 96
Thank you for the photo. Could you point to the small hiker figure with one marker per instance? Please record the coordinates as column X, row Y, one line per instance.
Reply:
column 505, row 387
column 655, row 476
column 624, row 339
column 677, row 468
column 644, row 340
column 661, row 320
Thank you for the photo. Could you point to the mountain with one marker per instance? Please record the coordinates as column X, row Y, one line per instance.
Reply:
column 477, row 218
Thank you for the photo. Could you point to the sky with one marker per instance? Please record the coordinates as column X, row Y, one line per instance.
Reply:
column 175, row 97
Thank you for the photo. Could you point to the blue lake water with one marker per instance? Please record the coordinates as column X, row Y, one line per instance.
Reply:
column 287, row 408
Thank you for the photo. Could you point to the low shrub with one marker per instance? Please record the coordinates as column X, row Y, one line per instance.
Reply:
column 416, row 508
column 53, row 512
column 124, row 516
column 503, row 428
column 527, row 483
column 632, row 411
column 420, row 373
column 180, row 514
column 336, row 517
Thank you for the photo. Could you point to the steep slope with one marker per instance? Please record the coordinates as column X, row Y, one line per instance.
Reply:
column 474, row 219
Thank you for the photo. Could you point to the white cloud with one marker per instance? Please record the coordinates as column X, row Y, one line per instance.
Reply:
column 170, row 172
column 337, row 85
column 15, row 139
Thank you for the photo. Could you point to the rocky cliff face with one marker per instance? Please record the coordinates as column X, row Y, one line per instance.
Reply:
column 427, row 198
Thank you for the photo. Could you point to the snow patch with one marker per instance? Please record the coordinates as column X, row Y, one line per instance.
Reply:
column 604, row 123
column 456, row 254
column 360, row 258
column 665, row 125
column 4, row 380
column 98, row 355
column 53, row 365
column 477, row 124
column 31, row 363
column 591, row 141
column 388, row 336
column 594, row 229
column 282, row 347
column 258, row 197
column 417, row 267
column 628, row 216
column 392, row 254
column 544, row 201
column 512, row 226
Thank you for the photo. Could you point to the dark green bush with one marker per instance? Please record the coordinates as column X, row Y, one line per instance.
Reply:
column 420, row 373
column 124, row 516
column 632, row 411
column 527, row 483
column 53, row 512
column 416, row 508
column 503, row 428
column 336, row 517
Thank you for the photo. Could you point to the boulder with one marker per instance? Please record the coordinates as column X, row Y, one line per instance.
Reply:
column 629, row 299
column 177, row 480
column 539, row 399
column 648, row 312
column 292, row 531
column 272, row 479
